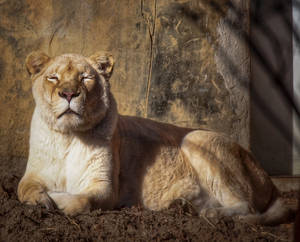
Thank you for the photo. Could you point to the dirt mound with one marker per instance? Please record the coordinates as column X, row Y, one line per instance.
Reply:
column 19, row 222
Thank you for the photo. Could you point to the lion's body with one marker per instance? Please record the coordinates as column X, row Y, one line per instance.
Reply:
column 80, row 161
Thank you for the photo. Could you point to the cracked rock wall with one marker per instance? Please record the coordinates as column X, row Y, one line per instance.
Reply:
column 171, row 60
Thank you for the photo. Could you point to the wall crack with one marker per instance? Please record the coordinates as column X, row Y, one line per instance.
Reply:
column 151, row 31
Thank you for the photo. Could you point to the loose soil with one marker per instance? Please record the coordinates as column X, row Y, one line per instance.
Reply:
column 179, row 222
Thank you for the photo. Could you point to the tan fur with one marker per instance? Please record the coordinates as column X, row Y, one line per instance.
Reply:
column 91, row 157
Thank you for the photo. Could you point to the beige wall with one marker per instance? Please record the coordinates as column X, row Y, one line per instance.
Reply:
column 168, row 64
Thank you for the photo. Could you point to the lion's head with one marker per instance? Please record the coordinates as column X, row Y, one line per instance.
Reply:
column 71, row 91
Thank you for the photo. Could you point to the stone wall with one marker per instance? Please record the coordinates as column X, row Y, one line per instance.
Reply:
column 171, row 60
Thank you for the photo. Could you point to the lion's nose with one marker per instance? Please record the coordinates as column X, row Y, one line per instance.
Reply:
column 68, row 95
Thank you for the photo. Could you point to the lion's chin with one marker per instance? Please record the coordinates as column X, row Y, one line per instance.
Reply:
column 68, row 122
column 68, row 112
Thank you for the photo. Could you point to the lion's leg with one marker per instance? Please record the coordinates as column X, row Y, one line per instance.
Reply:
column 98, row 195
column 71, row 204
column 237, row 209
column 185, row 188
column 207, row 154
column 32, row 191
column 209, row 206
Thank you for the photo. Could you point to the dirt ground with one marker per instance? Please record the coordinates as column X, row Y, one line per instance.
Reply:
column 19, row 222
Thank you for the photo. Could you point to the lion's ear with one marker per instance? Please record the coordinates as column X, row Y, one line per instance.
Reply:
column 36, row 61
column 104, row 62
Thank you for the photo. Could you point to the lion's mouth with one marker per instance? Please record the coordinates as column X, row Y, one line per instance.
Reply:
column 68, row 111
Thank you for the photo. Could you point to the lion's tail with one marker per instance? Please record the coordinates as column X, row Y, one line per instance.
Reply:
column 277, row 213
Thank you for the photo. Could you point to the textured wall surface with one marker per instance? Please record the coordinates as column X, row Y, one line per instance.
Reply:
column 171, row 60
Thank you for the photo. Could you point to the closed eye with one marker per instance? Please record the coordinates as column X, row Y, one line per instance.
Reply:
column 53, row 79
column 87, row 79
column 88, row 82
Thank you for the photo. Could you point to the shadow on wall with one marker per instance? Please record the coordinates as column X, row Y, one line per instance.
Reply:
column 273, row 104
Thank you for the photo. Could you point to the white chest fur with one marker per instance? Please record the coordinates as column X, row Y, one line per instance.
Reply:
column 65, row 161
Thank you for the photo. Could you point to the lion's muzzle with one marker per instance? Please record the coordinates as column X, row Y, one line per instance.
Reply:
column 68, row 95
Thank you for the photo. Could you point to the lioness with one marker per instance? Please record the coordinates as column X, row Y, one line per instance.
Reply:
column 84, row 155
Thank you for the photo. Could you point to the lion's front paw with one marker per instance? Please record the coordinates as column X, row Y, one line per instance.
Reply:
column 38, row 197
column 70, row 204
column 210, row 212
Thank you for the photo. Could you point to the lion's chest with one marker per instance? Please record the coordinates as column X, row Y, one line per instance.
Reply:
column 76, row 163
column 72, row 166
